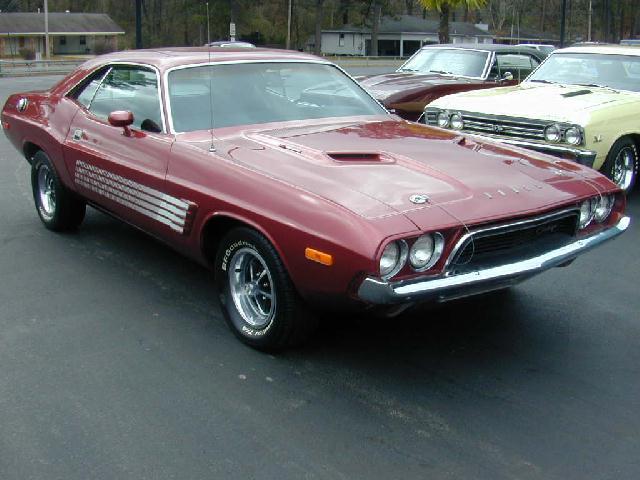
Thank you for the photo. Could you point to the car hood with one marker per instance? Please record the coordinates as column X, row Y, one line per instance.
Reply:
column 384, row 86
column 570, row 103
column 373, row 168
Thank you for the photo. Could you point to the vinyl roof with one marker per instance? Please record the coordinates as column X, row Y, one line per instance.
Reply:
column 59, row 23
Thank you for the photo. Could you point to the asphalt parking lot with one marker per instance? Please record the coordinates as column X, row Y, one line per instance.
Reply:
column 115, row 362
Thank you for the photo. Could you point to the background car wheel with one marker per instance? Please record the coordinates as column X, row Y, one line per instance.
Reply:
column 257, row 296
column 621, row 165
column 58, row 208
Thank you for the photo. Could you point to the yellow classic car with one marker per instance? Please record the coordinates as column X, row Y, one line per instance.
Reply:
column 581, row 103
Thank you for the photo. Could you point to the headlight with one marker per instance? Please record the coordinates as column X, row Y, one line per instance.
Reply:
column 552, row 133
column 573, row 135
column 587, row 211
column 426, row 251
column 603, row 208
column 393, row 258
column 456, row 121
column 443, row 119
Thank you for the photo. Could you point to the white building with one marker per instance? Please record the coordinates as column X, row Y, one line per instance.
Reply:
column 398, row 36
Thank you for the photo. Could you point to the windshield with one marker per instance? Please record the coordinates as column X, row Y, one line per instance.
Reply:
column 464, row 63
column 620, row 72
column 253, row 93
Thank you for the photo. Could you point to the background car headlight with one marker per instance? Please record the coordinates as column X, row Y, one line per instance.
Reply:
column 573, row 135
column 426, row 251
column 443, row 119
column 587, row 211
column 604, row 207
column 393, row 258
column 456, row 121
column 552, row 133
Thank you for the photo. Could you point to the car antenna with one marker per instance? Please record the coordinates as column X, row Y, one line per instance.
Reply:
column 212, row 147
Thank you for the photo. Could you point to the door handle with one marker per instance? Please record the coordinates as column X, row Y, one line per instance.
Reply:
column 78, row 133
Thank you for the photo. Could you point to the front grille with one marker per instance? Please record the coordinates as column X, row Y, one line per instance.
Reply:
column 508, row 127
column 494, row 245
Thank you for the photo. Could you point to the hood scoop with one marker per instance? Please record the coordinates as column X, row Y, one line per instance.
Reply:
column 576, row 93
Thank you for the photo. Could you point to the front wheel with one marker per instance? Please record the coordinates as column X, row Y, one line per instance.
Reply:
column 621, row 165
column 257, row 297
column 58, row 208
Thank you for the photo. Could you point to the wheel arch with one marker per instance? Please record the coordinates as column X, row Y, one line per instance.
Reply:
column 29, row 149
column 218, row 224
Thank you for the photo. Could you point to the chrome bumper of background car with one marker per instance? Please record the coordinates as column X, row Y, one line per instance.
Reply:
column 442, row 288
column 583, row 157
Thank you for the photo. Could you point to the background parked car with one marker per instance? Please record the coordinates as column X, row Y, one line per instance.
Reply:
column 582, row 103
column 542, row 48
column 437, row 70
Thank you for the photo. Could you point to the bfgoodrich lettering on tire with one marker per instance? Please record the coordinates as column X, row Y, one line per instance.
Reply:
column 58, row 208
column 257, row 297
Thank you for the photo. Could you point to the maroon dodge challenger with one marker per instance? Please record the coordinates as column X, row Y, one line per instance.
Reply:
column 282, row 174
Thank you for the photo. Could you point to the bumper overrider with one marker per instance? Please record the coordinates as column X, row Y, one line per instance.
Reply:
column 447, row 287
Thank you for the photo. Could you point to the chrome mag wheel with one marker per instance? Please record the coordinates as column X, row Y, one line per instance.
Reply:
column 46, row 191
column 252, row 288
column 624, row 167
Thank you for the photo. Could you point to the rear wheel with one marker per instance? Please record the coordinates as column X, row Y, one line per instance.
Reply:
column 58, row 208
column 257, row 296
column 621, row 165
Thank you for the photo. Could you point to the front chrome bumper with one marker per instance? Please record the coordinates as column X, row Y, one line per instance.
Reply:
column 583, row 157
column 447, row 287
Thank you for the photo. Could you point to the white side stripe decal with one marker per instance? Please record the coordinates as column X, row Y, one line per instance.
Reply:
column 170, row 211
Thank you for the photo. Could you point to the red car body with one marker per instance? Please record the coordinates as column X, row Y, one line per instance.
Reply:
column 343, row 186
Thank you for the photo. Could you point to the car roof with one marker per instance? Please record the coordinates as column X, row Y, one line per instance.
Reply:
column 603, row 49
column 166, row 58
column 489, row 47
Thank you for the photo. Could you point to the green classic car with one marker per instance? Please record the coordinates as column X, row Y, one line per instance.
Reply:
column 581, row 103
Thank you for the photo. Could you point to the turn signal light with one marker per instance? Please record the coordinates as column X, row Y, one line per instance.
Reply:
column 318, row 256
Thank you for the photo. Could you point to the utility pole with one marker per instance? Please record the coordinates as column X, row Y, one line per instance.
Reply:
column 138, row 23
column 563, row 15
column 589, row 21
column 46, row 29
column 208, row 29
column 289, row 27
column 232, row 23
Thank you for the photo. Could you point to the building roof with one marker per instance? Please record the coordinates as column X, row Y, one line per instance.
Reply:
column 413, row 24
column 59, row 23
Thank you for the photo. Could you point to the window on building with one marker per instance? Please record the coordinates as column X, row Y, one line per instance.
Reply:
column 63, row 40
column 21, row 42
column 83, row 40
column 341, row 40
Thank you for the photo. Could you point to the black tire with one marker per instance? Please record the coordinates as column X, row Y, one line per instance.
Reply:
column 613, row 163
column 247, row 257
column 58, row 208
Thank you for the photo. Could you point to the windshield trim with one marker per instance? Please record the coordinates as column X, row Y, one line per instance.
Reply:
column 485, row 70
column 558, row 52
column 234, row 62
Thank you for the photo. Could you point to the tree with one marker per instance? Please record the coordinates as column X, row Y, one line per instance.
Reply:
column 444, row 9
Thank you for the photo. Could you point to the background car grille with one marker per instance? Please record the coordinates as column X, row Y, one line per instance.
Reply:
column 514, row 242
column 492, row 125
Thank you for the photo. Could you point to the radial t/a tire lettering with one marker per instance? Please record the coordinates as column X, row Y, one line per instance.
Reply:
column 58, row 208
column 257, row 297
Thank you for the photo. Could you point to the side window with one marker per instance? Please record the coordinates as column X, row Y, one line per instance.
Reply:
column 520, row 65
column 130, row 88
column 85, row 92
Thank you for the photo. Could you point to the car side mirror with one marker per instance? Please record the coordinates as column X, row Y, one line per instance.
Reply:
column 121, row 118
column 507, row 77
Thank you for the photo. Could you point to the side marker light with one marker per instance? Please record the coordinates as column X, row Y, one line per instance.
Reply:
column 318, row 256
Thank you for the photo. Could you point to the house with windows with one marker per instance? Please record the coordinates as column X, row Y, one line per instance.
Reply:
column 69, row 33
column 398, row 36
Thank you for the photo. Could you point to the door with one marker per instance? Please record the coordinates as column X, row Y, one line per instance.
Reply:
column 123, row 170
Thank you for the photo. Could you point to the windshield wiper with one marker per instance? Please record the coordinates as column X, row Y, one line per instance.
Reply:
column 597, row 86
column 441, row 72
column 542, row 80
column 405, row 69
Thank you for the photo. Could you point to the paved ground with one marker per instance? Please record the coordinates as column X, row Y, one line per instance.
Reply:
column 116, row 363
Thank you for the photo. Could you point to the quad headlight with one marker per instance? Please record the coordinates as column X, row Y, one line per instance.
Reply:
column 603, row 208
column 393, row 258
column 552, row 133
column 426, row 251
column 443, row 119
column 456, row 121
column 587, row 211
column 573, row 135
